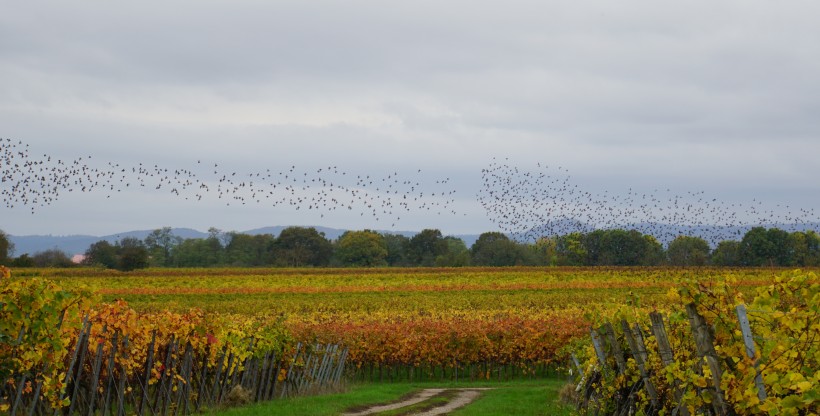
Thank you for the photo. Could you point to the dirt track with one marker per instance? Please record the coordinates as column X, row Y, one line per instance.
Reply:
column 463, row 398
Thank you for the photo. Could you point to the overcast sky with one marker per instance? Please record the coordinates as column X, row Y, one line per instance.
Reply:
column 715, row 96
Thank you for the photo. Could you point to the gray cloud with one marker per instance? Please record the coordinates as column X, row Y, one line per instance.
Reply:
column 700, row 95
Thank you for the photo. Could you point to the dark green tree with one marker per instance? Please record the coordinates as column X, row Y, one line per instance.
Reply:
column 544, row 252
column 102, row 253
column 805, row 248
column 300, row 246
column 396, row 249
column 6, row 248
column 571, row 250
column 457, row 254
column 784, row 252
column 245, row 250
column 727, row 254
column 361, row 249
column 160, row 244
column 496, row 249
column 24, row 260
column 198, row 252
column 653, row 251
column 424, row 247
column 52, row 258
column 596, row 247
column 686, row 250
column 131, row 254
column 618, row 248
column 762, row 247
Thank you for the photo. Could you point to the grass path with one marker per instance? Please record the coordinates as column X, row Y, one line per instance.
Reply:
column 427, row 398
column 524, row 398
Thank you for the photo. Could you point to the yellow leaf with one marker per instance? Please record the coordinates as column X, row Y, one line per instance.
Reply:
column 802, row 386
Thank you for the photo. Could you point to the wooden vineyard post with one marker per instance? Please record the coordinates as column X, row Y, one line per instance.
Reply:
column 166, row 381
column 320, row 375
column 247, row 366
column 83, row 348
column 110, row 369
column 216, row 387
column 637, row 334
column 184, row 387
column 269, row 375
column 340, row 366
column 748, row 339
column 599, row 349
column 149, row 363
column 273, row 374
column 123, row 376
column 706, row 351
column 665, row 351
column 86, row 326
column 203, row 375
column 313, row 370
column 601, row 353
column 259, row 380
column 286, row 382
column 639, row 353
column 577, row 365
column 92, row 391
column 223, row 384
column 309, row 370
column 614, row 347
column 276, row 372
column 659, row 330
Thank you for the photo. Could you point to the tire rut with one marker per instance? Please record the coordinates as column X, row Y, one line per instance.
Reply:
column 463, row 398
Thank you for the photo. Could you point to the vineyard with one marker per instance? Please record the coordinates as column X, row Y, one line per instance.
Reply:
column 712, row 354
column 179, row 339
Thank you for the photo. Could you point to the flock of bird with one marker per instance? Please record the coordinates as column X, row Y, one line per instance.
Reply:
column 525, row 204
column 32, row 182
column 546, row 202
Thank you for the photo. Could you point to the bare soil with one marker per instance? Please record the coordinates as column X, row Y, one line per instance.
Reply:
column 462, row 398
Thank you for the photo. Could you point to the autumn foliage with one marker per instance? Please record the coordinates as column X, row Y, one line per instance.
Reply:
column 784, row 318
column 41, row 323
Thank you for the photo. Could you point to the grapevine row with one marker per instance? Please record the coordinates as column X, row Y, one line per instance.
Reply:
column 714, row 353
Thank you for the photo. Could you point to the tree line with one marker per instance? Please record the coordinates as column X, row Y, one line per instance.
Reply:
column 306, row 247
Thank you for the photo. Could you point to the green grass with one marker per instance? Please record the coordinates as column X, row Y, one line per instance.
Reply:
column 524, row 398
column 530, row 398
column 438, row 400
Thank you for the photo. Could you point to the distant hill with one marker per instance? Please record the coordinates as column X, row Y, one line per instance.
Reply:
column 78, row 244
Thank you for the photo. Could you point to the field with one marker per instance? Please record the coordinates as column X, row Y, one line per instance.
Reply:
column 520, row 397
column 405, row 326
column 411, row 323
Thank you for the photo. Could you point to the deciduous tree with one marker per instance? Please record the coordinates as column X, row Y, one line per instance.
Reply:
column 6, row 248
column 496, row 249
column 51, row 258
column 131, row 254
column 686, row 250
column 457, row 254
column 396, row 249
column 727, row 253
column 245, row 250
column 424, row 247
column 362, row 249
column 300, row 246
column 102, row 253
column 160, row 244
